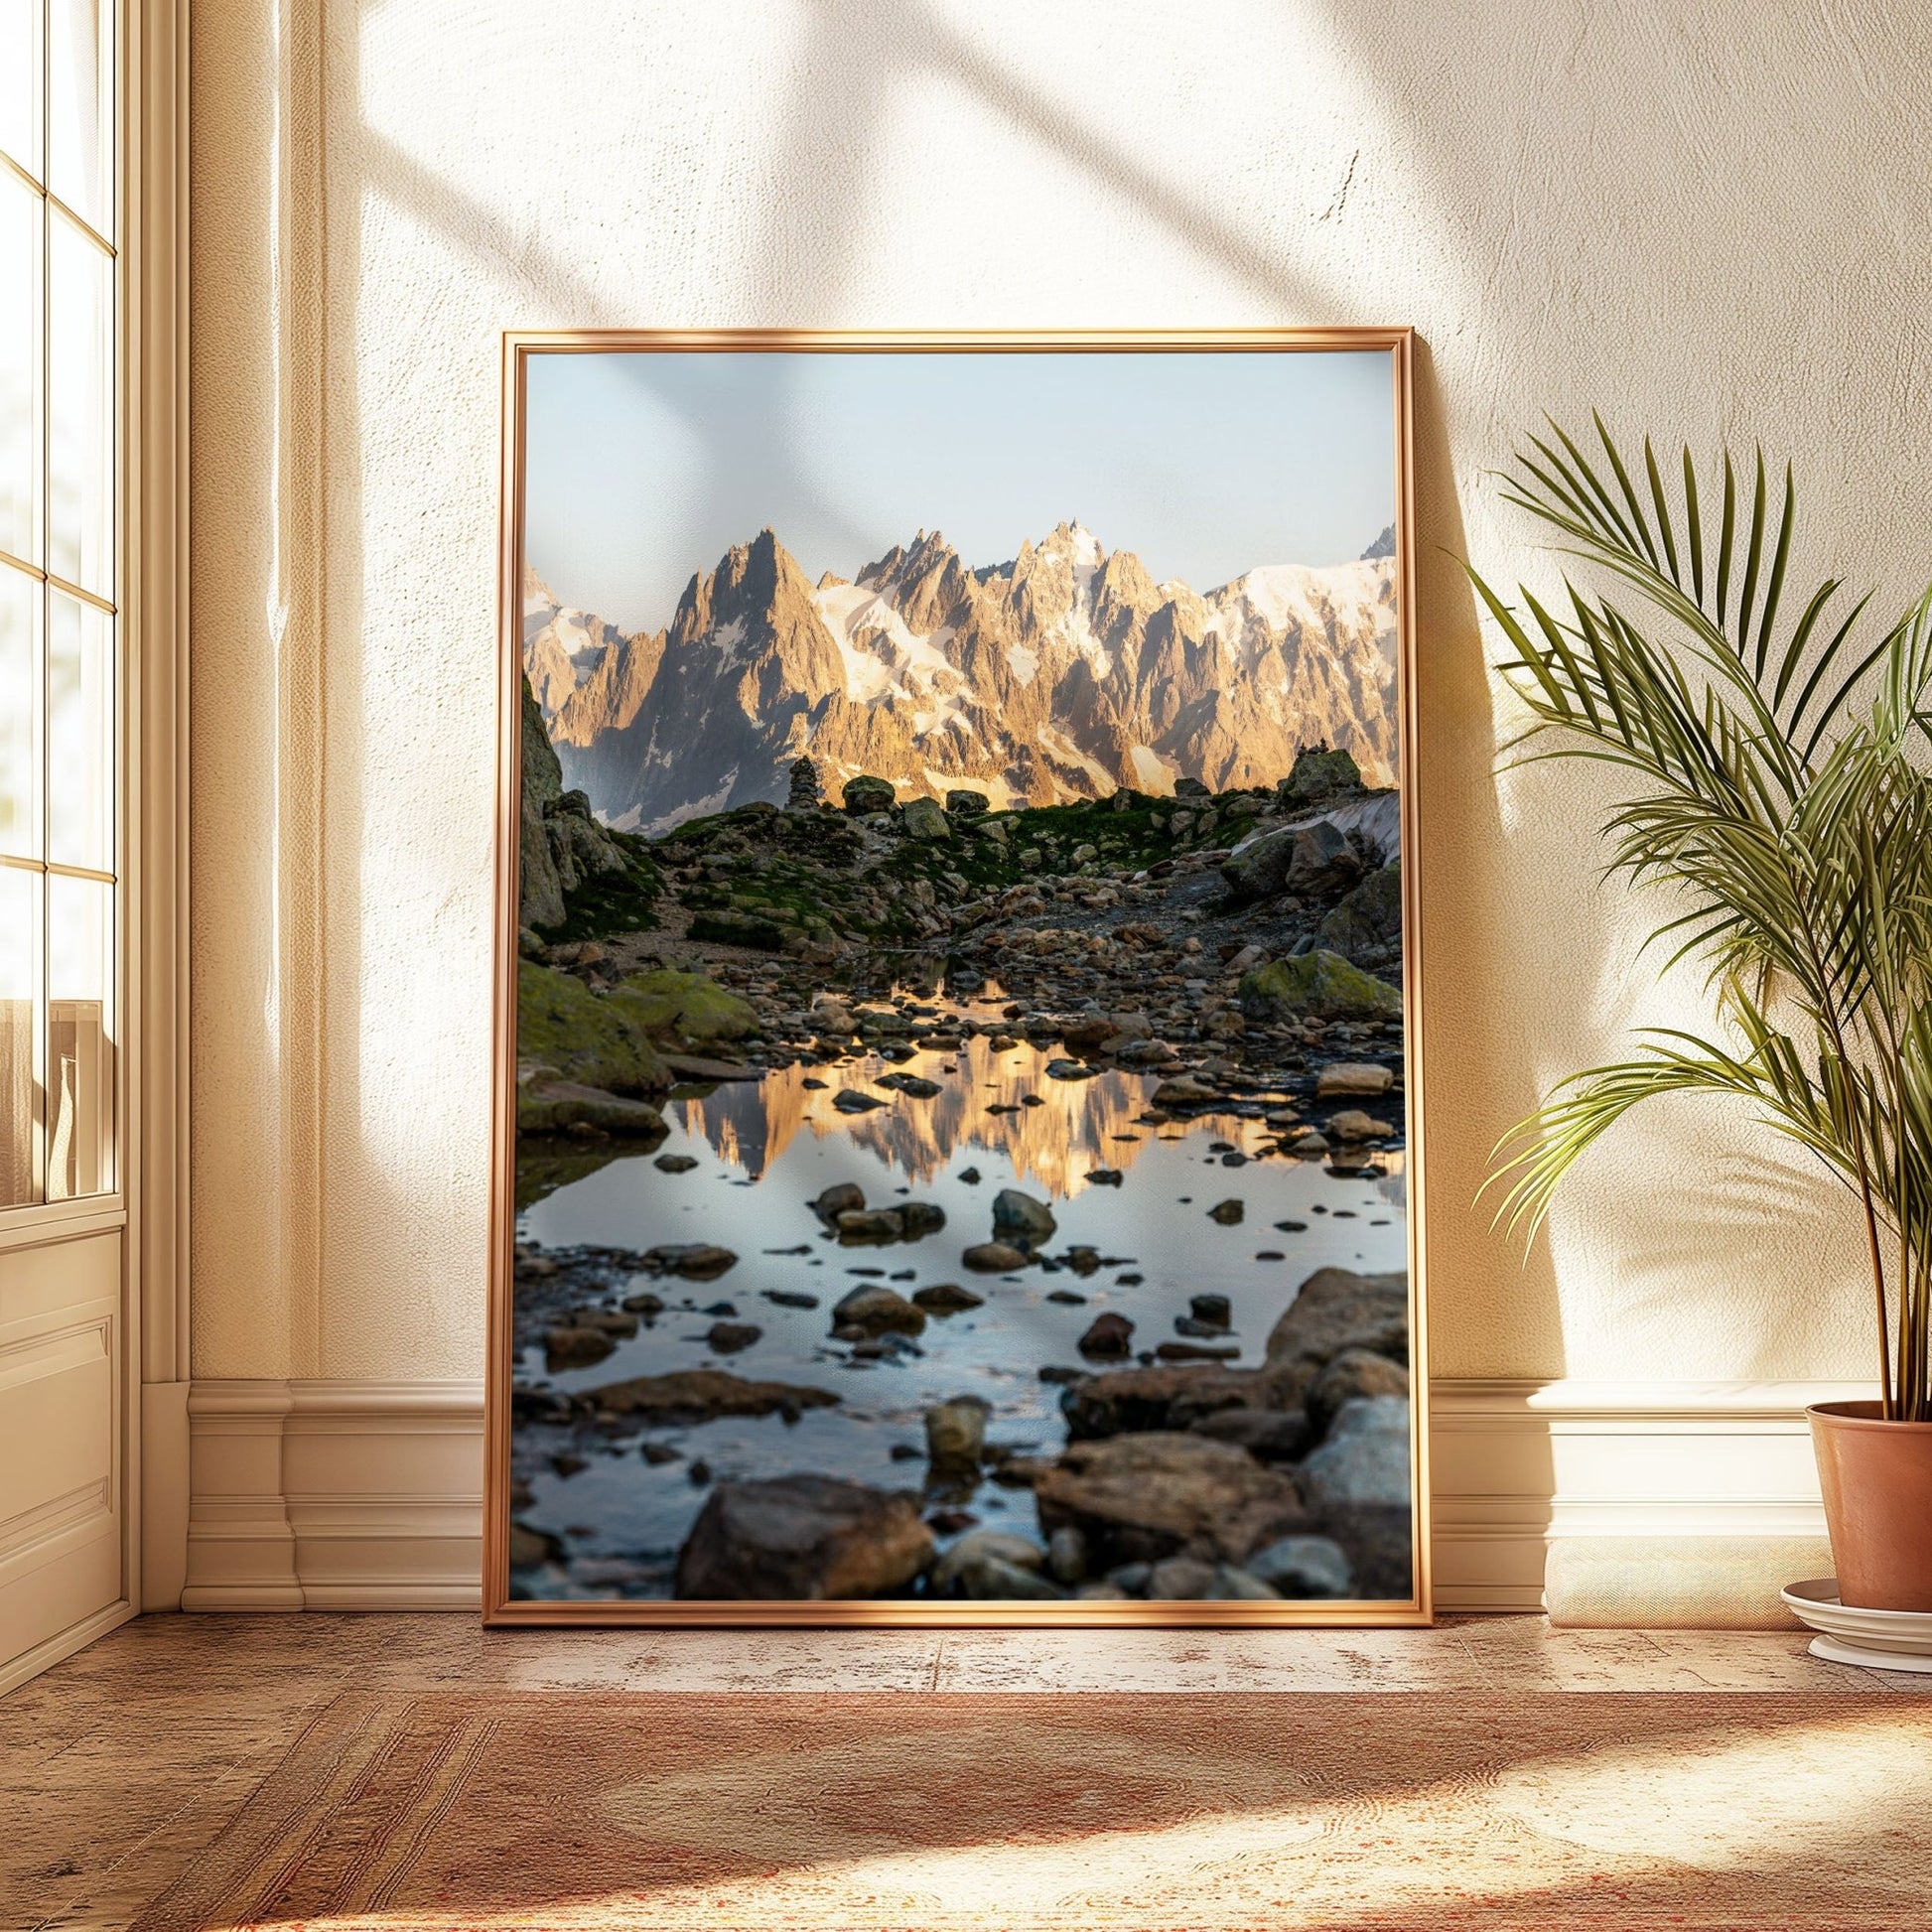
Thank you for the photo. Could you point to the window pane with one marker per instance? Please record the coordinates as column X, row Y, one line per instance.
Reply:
column 19, row 711
column 79, row 734
column 80, row 112
column 21, row 227
column 20, row 951
column 80, row 1038
column 20, row 83
column 79, row 402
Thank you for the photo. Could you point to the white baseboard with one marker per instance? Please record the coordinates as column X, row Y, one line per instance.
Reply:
column 1642, row 1502
column 335, row 1496
column 1633, row 1502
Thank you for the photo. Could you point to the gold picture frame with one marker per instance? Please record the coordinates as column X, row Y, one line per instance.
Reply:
column 500, row 1609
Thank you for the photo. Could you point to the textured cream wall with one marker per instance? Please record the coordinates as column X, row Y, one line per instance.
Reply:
column 1707, row 220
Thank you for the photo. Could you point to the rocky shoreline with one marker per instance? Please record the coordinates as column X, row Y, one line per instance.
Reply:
column 1237, row 955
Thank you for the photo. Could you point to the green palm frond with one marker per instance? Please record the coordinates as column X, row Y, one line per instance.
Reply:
column 1776, row 787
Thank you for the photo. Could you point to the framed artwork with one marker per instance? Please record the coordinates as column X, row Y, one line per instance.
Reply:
column 958, row 1094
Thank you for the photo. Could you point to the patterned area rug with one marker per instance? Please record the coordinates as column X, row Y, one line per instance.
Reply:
column 1348, row 1813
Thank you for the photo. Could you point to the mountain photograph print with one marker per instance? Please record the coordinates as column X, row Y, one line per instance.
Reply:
column 956, row 1121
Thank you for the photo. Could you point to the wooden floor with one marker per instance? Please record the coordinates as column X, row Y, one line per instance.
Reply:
column 120, row 1764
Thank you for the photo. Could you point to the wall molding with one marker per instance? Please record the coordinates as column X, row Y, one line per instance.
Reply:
column 1643, row 1501
column 335, row 1496
column 1621, row 1502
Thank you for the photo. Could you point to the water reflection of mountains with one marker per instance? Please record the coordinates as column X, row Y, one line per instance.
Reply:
column 1076, row 1127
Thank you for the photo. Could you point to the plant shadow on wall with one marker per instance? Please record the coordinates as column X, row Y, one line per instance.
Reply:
column 1775, row 786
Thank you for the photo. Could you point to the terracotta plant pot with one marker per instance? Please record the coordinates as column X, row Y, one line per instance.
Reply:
column 1876, row 1477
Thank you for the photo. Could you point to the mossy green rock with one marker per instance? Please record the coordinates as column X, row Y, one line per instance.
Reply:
column 923, row 819
column 586, row 1037
column 683, row 1008
column 1322, row 984
column 613, row 1040
column 1369, row 917
column 865, row 794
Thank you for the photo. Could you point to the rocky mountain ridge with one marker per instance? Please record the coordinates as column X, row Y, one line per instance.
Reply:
column 1060, row 675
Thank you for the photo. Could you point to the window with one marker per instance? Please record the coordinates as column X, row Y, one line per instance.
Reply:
column 60, row 631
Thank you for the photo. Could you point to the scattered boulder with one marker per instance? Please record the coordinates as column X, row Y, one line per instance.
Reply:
column 1319, row 773
column 842, row 1197
column 995, row 1258
column 992, row 1564
column 728, row 1337
column 1180, row 1579
column 966, row 804
column 833, row 1018
column 1322, row 985
column 915, row 1086
column 1275, row 1436
column 1144, row 1498
column 923, row 819
column 848, row 1101
column 878, row 1311
column 1352, row 1124
column 1214, row 1309
column 1366, row 927
column 946, row 1298
column 863, row 1226
column 1183, row 1090
column 699, row 1395
column 575, row 1346
column 552, row 1106
column 1230, row 1214
column 1020, row 1220
column 1234, row 1583
column 674, row 1163
column 1354, row 1079
column 801, row 1539
column 1304, row 1566
column 1355, row 1373
column 955, row 1434
column 695, row 1261
column 1336, row 1309
column 1176, row 1396
column 864, row 796
column 1364, row 1464
column 1109, row 1338
column 1066, row 1556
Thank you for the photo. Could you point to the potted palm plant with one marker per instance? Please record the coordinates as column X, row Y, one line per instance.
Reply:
column 1774, row 756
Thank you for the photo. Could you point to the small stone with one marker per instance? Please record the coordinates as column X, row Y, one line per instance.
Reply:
column 847, row 1101
column 1346, row 1078
column 1180, row 1579
column 1215, row 1309
column 695, row 1261
column 658, row 1454
column 858, row 1225
column 1066, row 1555
column 644, row 1303
column 728, row 1337
column 791, row 1298
column 1233, row 1585
column 946, row 1298
column 1353, row 1125
column 1021, row 1219
column 879, row 1310
column 955, row 1434
column 1196, row 1352
column 1304, row 1566
column 1108, row 1338
column 843, row 1198
column 994, row 1258
column 674, row 1163
column 1227, row 1213
column 1105, row 1177
column 574, row 1347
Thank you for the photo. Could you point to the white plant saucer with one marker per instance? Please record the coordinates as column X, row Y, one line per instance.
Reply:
column 1874, row 1639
